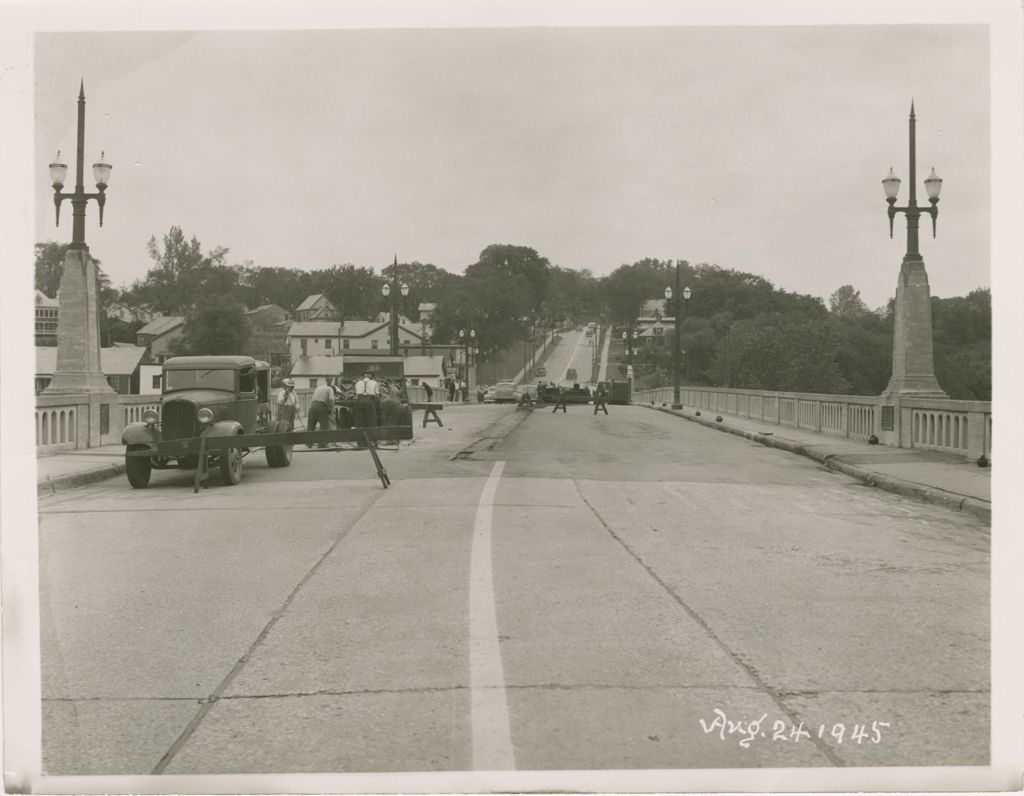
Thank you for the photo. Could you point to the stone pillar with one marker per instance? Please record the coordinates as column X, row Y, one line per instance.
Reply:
column 913, row 364
column 78, row 331
column 78, row 370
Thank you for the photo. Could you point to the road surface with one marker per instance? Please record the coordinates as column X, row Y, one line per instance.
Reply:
column 534, row 591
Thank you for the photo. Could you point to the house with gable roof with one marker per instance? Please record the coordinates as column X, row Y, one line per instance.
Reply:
column 160, row 336
column 317, row 307
column 334, row 338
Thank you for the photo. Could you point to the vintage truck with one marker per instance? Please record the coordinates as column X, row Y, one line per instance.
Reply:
column 204, row 396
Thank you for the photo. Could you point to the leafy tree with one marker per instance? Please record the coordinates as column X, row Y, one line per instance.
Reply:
column 495, row 304
column 49, row 267
column 517, row 261
column 216, row 324
column 864, row 351
column 774, row 352
column 182, row 274
column 570, row 293
column 354, row 291
column 626, row 289
column 286, row 287
column 846, row 301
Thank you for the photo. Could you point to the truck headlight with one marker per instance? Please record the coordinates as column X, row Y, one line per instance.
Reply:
column 150, row 417
column 204, row 415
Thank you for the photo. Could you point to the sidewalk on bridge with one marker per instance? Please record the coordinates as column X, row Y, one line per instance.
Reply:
column 933, row 477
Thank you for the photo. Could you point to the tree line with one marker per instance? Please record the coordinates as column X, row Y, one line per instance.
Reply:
column 738, row 329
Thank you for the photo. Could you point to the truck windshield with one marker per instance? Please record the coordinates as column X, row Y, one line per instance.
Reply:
column 202, row 379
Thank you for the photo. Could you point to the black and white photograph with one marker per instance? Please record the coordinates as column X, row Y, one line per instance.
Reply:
column 483, row 397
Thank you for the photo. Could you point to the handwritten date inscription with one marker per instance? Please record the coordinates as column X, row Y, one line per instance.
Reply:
column 749, row 731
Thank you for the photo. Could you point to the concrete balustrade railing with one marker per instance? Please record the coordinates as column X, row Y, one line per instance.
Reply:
column 958, row 427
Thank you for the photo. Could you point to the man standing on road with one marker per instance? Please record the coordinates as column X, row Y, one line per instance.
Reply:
column 287, row 404
column 320, row 410
column 601, row 398
column 428, row 390
column 367, row 393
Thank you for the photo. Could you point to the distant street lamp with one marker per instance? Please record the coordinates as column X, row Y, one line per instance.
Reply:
column 79, row 199
column 677, row 313
column 468, row 346
column 393, row 291
column 629, row 340
column 932, row 185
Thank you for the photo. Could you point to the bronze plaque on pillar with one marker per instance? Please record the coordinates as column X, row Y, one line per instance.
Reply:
column 104, row 419
column 888, row 418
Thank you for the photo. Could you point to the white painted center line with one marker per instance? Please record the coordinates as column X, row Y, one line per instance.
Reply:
column 492, row 734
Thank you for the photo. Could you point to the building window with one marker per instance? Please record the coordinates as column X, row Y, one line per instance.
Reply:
column 344, row 343
column 374, row 343
column 312, row 383
column 327, row 343
column 302, row 342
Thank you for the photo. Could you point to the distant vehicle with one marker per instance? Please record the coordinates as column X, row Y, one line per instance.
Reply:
column 541, row 372
column 579, row 328
column 504, row 392
column 570, row 374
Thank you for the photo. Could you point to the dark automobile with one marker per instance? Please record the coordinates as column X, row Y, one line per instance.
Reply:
column 503, row 392
column 215, row 396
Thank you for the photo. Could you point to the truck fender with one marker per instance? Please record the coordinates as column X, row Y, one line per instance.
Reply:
column 140, row 434
column 225, row 428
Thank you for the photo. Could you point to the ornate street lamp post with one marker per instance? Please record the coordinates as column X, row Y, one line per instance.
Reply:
column 913, row 364
column 78, row 369
column 393, row 291
column 79, row 199
column 678, row 315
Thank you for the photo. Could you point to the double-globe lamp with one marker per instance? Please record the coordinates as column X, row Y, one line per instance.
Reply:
column 678, row 315
column 386, row 292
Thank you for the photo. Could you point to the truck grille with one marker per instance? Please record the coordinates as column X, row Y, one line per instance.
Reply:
column 178, row 420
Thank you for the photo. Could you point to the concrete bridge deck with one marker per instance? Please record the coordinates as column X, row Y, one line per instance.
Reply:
column 925, row 475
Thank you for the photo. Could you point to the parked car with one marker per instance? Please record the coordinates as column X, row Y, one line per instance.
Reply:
column 541, row 372
column 570, row 375
column 504, row 392
column 215, row 396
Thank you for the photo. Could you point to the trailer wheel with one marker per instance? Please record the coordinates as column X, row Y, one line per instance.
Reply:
column 138, row 470
column 279, row 455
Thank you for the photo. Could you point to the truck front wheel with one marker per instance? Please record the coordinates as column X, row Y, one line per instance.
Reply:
column 138, row 469
column 231, row 465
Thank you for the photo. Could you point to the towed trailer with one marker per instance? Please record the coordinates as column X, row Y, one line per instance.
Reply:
column 229, row 450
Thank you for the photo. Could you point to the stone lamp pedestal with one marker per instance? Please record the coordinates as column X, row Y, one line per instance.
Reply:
column 78, row 367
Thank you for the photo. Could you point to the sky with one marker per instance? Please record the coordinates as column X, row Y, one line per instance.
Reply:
column 754, row 147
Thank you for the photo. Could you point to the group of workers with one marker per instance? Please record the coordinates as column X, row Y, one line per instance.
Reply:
column 365, row 403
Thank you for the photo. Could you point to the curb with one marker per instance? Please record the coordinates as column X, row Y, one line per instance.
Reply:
column 62, row 483
column 981, row 509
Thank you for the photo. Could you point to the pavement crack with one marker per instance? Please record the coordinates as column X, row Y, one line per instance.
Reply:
column 218, row 692
column 738, row 659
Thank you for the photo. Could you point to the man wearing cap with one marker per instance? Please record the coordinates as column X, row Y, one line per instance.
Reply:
column 288, row 404
column 367, row 394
